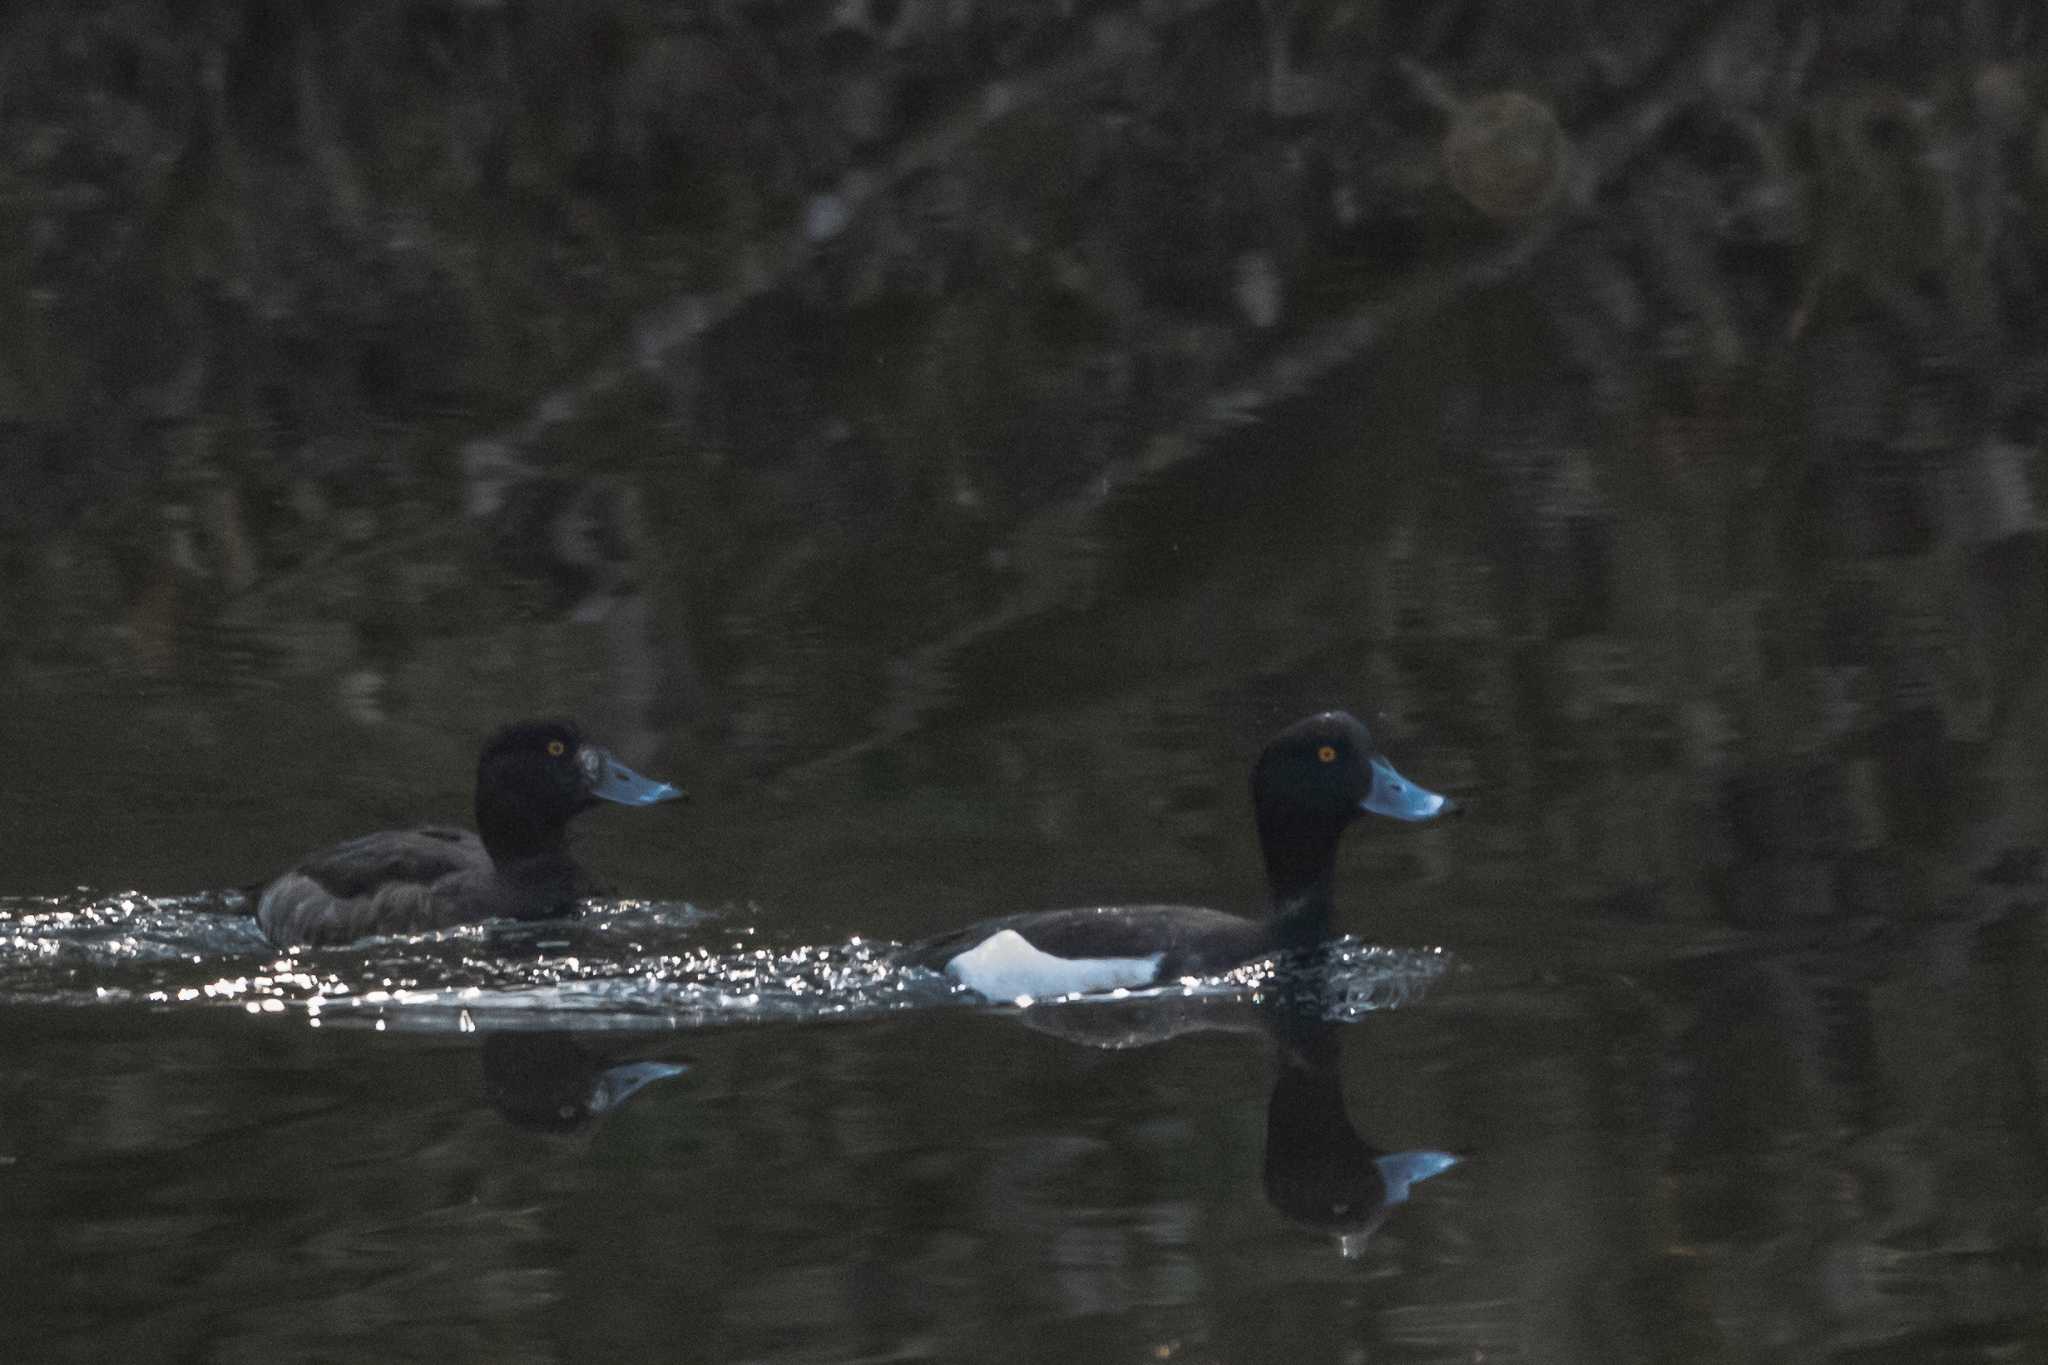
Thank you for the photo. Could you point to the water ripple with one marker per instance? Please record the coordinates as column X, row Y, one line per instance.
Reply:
column 622, row 965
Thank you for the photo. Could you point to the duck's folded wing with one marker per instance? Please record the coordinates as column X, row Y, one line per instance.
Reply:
column 297, row 911
column 359, row 867
column 395, row 882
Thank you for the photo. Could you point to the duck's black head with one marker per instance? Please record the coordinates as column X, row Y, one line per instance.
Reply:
column 1311, row 781
column 534, row 776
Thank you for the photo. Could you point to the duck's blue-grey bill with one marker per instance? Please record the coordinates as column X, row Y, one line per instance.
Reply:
column 611, row 780
column 1395, row 796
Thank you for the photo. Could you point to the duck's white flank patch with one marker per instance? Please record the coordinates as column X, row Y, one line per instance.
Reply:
column 1005, row 966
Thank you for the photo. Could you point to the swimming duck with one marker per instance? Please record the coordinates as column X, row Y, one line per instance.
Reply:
column 1311, row 781
column 532, row 778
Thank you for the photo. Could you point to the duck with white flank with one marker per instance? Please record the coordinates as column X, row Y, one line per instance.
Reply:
column 1310, row 783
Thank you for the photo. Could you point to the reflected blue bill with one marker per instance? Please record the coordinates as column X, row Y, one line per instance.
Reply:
column 615, row 1085
column 1403, row 1169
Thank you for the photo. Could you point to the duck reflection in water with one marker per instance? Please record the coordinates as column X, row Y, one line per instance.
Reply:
column 1318, row 1170
column 551, row 1082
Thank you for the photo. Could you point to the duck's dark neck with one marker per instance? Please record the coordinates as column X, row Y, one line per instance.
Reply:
column 1301, row 865
column 514, row 835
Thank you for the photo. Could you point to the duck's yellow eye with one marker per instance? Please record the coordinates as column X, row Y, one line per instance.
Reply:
column 1327, row 754
column 556, row 748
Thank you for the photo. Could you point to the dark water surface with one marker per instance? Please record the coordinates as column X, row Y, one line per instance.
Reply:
column 1678, row 1141
column 1726, row 995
